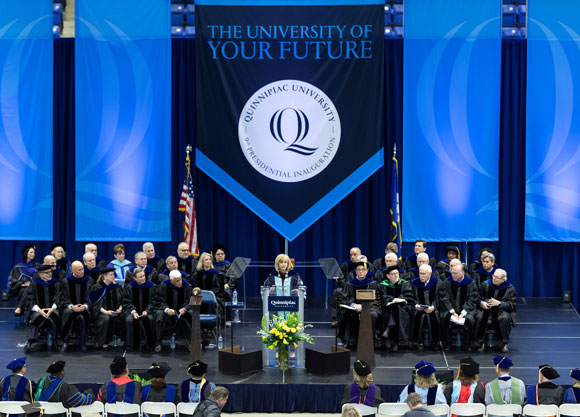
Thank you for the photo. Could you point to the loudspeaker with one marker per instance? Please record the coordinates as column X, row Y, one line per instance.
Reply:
column 566, row 295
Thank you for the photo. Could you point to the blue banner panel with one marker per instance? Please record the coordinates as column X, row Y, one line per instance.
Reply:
column 26, row 61
column 290, row 103
column 451, row 103
column 553, row 122
column 123, row 116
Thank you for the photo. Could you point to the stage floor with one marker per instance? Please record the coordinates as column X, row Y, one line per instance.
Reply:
column 547, row 332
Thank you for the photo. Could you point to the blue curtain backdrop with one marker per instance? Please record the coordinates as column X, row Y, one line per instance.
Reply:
column 26, row 175
column 553, row 127
column 361, row 219
column 451, row 120
column 123, row 153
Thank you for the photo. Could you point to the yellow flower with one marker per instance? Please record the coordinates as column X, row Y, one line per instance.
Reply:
column 286, row 342
column 264, row 337
column 293, row 330
column 275, row 343
column 271, row 347
column 295, row 344
column 273, row 331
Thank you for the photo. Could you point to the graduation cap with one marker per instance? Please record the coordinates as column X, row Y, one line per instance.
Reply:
column 453, row 249
column 502, row 362
column 425, row 368
column 43, row 268
column 16, row 364
column 575, row 373
column 362, row 263
column 26, row 248
column 105, row 270
column 391, row 269
column 57, row 245
column 159, row 370
column 118, row 365
column 197, row 368
column 56, row 367
column 468, row 366
column 33, row 410
column 548, row 372
column 362, row 368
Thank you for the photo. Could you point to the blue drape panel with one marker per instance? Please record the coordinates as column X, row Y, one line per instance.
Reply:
column 553, row 122
column 536, row 268
column 26, row 175
column 123, row 138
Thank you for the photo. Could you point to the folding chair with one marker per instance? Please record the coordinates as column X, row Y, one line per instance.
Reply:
column 95, row 408
column 467, row 409
column 186, row 409
column 503, row 409
column 150, row 407
column 439, row 409
column 54, row 409
column 572, row 410
column 122, row 409
column 541, row 410
column 392, row 409
column 363, row 409
column 12, row 407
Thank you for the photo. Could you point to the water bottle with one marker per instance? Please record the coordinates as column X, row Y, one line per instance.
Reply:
column 49, row 341
column 220, row 342
column 235, row 297
column 458, row 340
column 173, row 341
column 115, row 341
column 236, row 316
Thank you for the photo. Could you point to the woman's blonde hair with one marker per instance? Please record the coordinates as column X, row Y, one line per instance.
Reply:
column 426, row 381
column 203, row 255
column 53, row 251
column 362, row 381
column 283, row 258
column 576, row 383
column 350, row 411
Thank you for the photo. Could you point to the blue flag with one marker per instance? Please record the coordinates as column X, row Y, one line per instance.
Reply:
column 395, row 204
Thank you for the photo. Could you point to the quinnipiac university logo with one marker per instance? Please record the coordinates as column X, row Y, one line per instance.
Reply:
column 289, row 131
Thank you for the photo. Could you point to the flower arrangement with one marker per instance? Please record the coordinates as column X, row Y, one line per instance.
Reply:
column 284, row 332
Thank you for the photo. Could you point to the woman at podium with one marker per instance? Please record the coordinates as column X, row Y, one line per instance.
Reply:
column 283, row 280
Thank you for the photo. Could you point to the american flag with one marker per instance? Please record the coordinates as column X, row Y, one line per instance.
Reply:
column 187, row 205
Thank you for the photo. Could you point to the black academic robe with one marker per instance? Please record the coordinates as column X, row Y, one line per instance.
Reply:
column 55, row 390
column 169, row 394
column 210, row 280
column 187, row 265
column 108, row 297
column 459, row 297
column 157, row 262
column 44, row 294
column 75, row 291
column 397, row 316
column 21, row 273
column 503, row 317
column 171, row 297
column 139, row 298
column 350, row 319
column 480, row 275
column 545, row 393
column 428, row 294
column 150, row 273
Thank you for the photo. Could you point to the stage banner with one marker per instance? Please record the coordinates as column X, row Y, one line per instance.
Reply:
column 553, row 122
column 290, row 112
column 26, row 61
column 451, row 103
column 123, row 113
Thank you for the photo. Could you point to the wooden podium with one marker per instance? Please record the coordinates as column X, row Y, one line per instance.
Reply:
column 366, row 343
column 195, row 344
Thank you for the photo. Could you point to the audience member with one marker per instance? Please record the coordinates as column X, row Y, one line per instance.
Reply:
column 75, row 304
column 58, row 250
column 54, row 389
column 21, row 275
column 425, row 385
column 120, row 388
column 120, row 264
column 212, row 407
column 572, row 394
column 349, row 411
column 54, row 269
column 186, row 262
column 171, row 264
column 106, row 300
column 546, row 392
column 92, row 248
column 154, row 261
column 16, row 387
column 497, row 306
column 197, row 388
column 426, row 295
column 486, row 270
column 467, row 387
column 477, row 263
column 172, row 314
column 419, row 247
column 222, row 264
column 45, row 297
column 362, row 390
column 505, row 389
column 159, row 391
column 397, row 297
column 207, row 278
column 90, row 265
column 459, row 299
column 422, row 259
column 138, row 307
column 151, row 273
column 416, row 407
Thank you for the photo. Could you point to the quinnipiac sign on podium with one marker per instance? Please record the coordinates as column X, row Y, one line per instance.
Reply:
column 290, row 102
